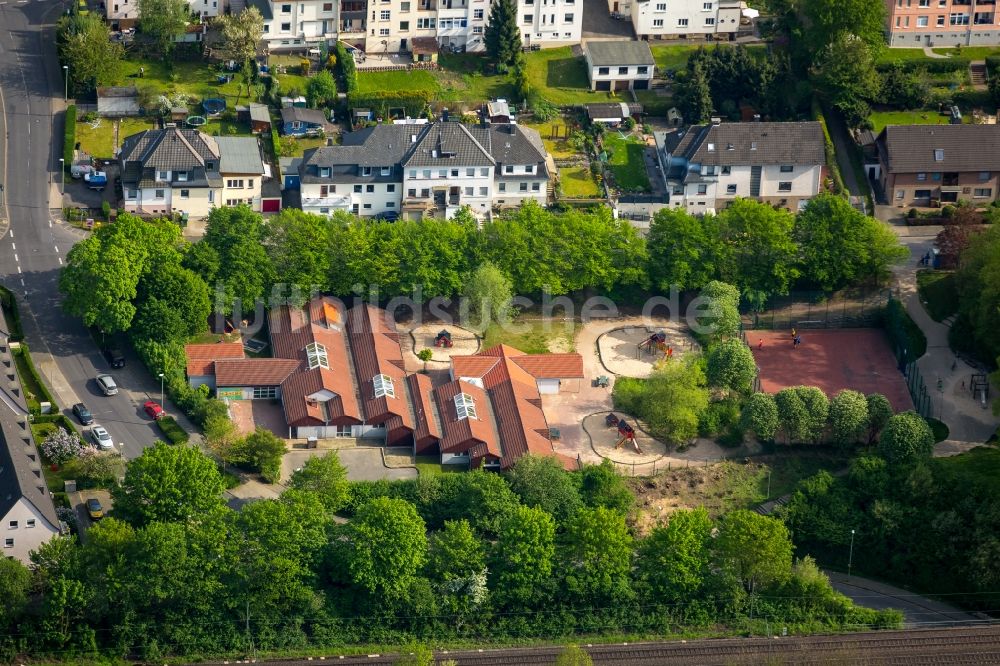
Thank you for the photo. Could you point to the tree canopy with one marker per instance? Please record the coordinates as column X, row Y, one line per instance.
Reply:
column 92, row 58
column 162, row 20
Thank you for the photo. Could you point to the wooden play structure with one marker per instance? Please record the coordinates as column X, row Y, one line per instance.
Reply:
column 658, row 342
column 443, row 339
column 625, row 431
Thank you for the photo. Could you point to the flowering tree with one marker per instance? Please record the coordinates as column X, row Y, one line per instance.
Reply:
column 61, row 447
column 100, row 465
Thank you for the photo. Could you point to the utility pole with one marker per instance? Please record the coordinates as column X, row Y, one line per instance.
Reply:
column 850, row 557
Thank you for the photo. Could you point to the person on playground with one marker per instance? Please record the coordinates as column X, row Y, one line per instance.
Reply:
column 796, row 341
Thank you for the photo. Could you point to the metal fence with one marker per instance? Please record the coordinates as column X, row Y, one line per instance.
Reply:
column 657, row 466
column 906, row 357
column 805, row 310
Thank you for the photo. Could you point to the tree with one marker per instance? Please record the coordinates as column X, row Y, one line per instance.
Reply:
column 828, row 20
column 760, row 416
column 502, row 37
column 817, row 407
column 425, row 355
column 455, row 552
column 597, row 556
column 731, row 365
column 978, row 282
column 60, row 447
column 756, row 550
column 694, row 99
column 388, row 545
column 100, row 280
column 722, row 314
column 955, row 237
column 906, row 438
column 542, row 482
column 845, row 75
column 682, row 249
column 262, row 450
column 573, row 655
column 904, row 88
column 181, row 290
column 92, row 58
column 15, row 585
column 673, row 397
column 241, row 33
column 489, row 294
column 523, row 556
column 792, row 414
column 321, row 89
column 758, row 253
column 298, row 245
column 162, row 20
column 236, row 234
column 104, row 467
column 674, row 560
column 325, row 476
column 202, row 259
column 158, row 321
column 601, row 485
column 848, row 416
column 169, row 484
column 879, row 413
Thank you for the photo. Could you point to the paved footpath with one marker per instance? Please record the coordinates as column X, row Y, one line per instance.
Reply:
column 917, row 610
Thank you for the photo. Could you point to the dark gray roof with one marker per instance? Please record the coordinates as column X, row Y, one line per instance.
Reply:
column 911, row 148
column 171, row 149
column 617, row 110
column 239, row 154
column 512, row 144
column 446, row 144
column 259, row 113
column 292, row 113
column 20, row 468
column 755, row 144
column 619, row 53
column 264, row 6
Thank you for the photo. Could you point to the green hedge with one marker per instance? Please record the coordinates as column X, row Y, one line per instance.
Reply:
column 172, row 430
column 32, row 383
column 60, row 420
column 347, row 69
column 992, row 64
column 69, row 142
column 831, row 154
column 8, row 303
column 931, row 65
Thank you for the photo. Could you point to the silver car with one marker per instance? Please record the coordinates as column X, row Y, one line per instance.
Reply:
column 107, row 384
column 102, row 438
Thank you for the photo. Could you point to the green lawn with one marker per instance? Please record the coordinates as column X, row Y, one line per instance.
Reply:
column 882, row 118
column 462, row 79
column 901, row 55
column 625, row 157
column 431, row 466
column 558, row 148
column 937, row 293
column 978, row 468
column 533, row 337
column 971, row 52
column 99, row 141
column 675, row 56
column 578, row 182
column 654, row 102
column 401, row 79
column 194, row 78
column 300, row 146
column 219, row 127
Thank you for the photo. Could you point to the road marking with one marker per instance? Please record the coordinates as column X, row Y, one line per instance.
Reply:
column 19, row 268
column 15, row 258
column 60, row 260
column 11, row 233
column 56, row 247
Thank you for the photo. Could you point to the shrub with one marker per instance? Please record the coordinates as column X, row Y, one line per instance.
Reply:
column 8, row 303
column 719, row 417
column 69, row 141
column 347, row 69
column 60, row 447
column 172, row 430
column 909, row 341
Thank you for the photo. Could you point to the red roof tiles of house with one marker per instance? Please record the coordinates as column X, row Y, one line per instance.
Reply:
column 202, row 357
column 462, row 433
column 428, row 421
column 254, row 371
column 539, row 366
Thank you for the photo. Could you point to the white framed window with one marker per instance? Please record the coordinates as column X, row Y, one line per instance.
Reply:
column 657, row 23
column 477, row 14
column 731, row 189
column 383, row 32
column 162, row 175
column 484, row 171
column 30, row 523
column 706, row 6
column 529, row 18
column 185, row 194
column 982, row 192
column 316, row 356
column 12, row 525
column 661, row 7
column 787, row 168
column 157, row 194
column 8, row 542
column 383, row 386
column 469, row 191
column 265, row 392
column 286, row 27
column 984, row 175
column 710, row 20
column 383, row 15
column 391, row 187
column 922, row 21
column 921, row 176
column 465, row 407
column 483, row 191
column 682, row 23
column 568, row 18
column 784, row 186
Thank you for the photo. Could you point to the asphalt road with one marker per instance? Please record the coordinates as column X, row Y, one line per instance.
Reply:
column 34, row 248
column 918, row 611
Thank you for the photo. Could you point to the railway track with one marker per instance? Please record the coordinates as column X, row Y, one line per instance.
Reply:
column 916, row 647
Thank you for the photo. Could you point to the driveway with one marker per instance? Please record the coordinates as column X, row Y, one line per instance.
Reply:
column 598, row 24
column 363, row 463
column 78, row 500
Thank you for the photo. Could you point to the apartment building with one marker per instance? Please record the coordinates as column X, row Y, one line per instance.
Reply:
column 419, row 170
column 685, row 19
column 923, row 165
column 453, row 24
column 550, row 23
column 706, row 167
column 917, row 23
column 292, row 25
column 123, row 14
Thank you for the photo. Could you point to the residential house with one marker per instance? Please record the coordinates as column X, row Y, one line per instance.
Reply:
column 27, row 515
column 294, row 25
column 685, row 19
column 923, row 165
column 296, row 121
column 549, row 23
column 619, row 65
column 121, row 14
column 201, row 360
column 918, row 23
column 185, row 171
column 706, row 167
column 429, row 169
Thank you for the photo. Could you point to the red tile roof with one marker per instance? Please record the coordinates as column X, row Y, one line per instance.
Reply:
column 551, row 366
column 201, row 357
column 464, row 434
column 428, row 423
column 254, row 371
column 374, row 343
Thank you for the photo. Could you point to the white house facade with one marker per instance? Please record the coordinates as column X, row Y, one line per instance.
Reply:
column 550, row 23
column 290, row 25
column 682, row 19
column 620, row 65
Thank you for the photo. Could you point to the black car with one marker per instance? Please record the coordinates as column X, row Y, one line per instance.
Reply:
column 115, row 357
column 82, row 413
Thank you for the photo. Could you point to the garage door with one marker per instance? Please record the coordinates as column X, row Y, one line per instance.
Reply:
column 641, row 85
column 548, row 386
column 604, row 85
column 270, row 205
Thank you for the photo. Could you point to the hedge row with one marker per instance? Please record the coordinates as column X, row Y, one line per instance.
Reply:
column 347, row 68
column 60, row 420
column 42, row 394
column 904, row 332
column 380, row 101
column 69, row 142
column 172, row 430
column 8, row 303
column 992, row 64
column 831, row 155
column 931, row 65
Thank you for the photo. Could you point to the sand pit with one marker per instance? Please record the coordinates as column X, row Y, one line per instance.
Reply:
column 604, row 438
column 464, row 341
column 620, row 352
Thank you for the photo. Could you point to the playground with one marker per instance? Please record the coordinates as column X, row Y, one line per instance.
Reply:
column 444, row 340
column 633, row 351
column 859, row 359
column 618, row 437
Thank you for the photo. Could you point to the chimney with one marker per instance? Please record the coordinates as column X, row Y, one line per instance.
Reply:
column 444, row 115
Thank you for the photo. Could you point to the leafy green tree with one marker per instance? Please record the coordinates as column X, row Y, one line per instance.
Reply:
column 203, row 260
column 828, row 20
column 162, row 20
column 388, row 545
column 758, row 253
column 241, row 33
column 92, row 58
column 158, row 321
column 489, row 293
column 325, row 476
column 455, row 551
column 321, row 89
column 879, row 413
column 904, row 88
column 682, row 249
column 848, row 416
column 674, row 396
column 502, row 37
column 674, row 561
column 792, row 414
column 694, row 98
column 573, row 655
column 602, row 486
column 15, row 586
column 830, row 233
column 817, row 407
column 978, row 282
column 542, row 482
column 845, row 75
column 100, row 281
column 183, row 292
column 523, row 556
column 721, row 318
column 756, row 550
column 168, row 484
column 262, row 451
column 298, row 245
column 596, row 556
column 760, row 416
column 236, row 234
column 906, row 438
column 425, row 355
column 483, row 498
column 730, row 364
column 416, row 655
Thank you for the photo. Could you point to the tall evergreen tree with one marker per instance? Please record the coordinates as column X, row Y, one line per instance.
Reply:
column 503, row 38
column 694, row 98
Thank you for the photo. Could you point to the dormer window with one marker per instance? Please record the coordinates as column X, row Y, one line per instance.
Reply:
column 465, row 407
column 324, row 172
column 182, row 176
column 939, row 154
column 209, row 166
column 162, row 176
column 383, row 386
column 529, row 169
column 385, row 171
column 366, row 171
column 316, row 356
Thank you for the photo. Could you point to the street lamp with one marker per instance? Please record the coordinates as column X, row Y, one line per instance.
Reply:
column 65, row 83
column 62, row 174
column 850, row 557
column 161, row 389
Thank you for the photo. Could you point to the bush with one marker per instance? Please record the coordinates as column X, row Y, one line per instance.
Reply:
column 906, row 336
column 719, row 418
column 347, row 69
column 8, row 304
column 69, row 141
column 60, row 447
column 172, row 430
column 32, row 382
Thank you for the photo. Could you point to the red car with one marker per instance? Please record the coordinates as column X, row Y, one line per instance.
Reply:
column 154, row 410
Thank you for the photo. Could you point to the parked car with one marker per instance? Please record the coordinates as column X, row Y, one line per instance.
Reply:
column 107, row 384
column 154, row 410
column 80, row 170
column 94, row 509
column 96, row 180
column 83, row 414
column 102, row 438
column 114, row 356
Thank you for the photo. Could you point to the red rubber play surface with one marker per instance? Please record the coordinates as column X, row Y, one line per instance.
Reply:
column 852, row 358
